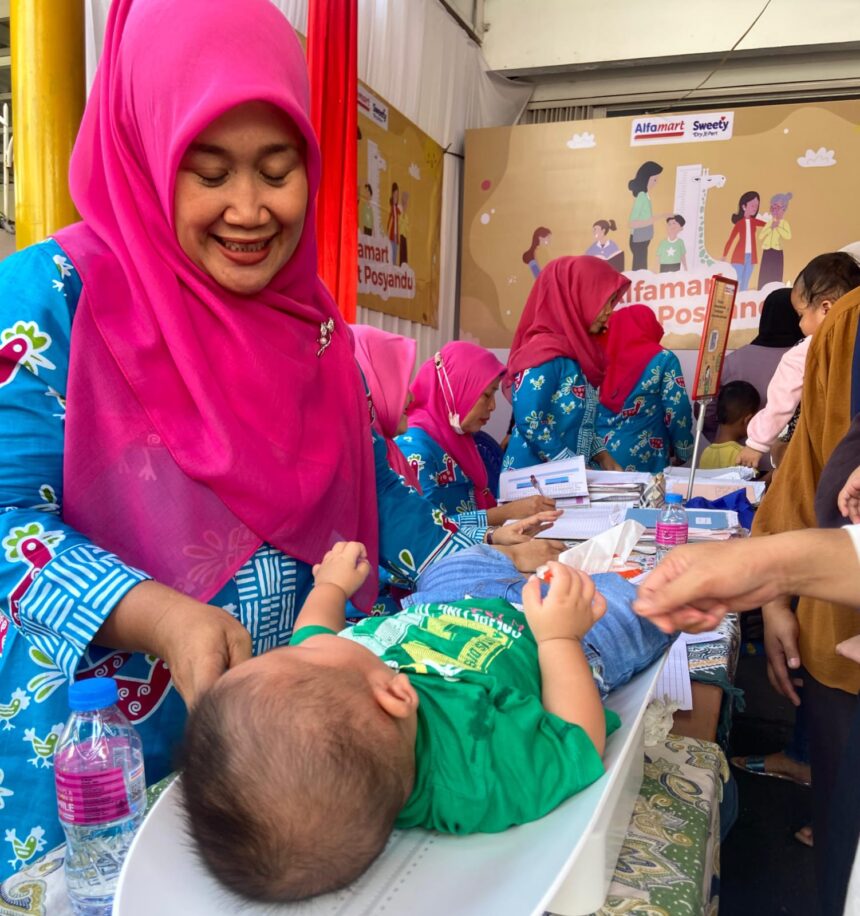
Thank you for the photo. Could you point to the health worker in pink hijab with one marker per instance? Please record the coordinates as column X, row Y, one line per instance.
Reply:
column 186, row 431
column 387, row 360
column 454, row 396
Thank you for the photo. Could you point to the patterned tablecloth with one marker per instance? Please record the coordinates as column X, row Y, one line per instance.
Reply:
column 716, row 663
column 669, row 864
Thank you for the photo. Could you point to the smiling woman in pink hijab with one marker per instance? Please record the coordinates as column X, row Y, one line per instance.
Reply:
column 185, row 429
column 556, row 363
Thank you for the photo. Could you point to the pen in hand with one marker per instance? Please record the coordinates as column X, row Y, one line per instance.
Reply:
column 534, row 482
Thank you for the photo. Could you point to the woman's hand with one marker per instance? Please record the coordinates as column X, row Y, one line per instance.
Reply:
column 536, row 552
column 520, row 508
column 525, row 529
column 199, row 642
column 848, row 500
column 607, row 462
column 749, row 457
column 780, row 645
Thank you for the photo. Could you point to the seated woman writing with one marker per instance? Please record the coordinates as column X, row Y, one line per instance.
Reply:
column 387, row 361
column 557, row 364
column 454, row 397
column 644, row 415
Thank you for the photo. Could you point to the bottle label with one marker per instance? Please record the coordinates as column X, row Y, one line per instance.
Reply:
column 669, row 535
column 92, row 798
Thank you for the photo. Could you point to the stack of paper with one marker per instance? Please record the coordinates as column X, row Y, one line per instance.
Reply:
column 704, row 524
column 673, row 685
column 714, row 484
column 616, row 486
column 579, row 524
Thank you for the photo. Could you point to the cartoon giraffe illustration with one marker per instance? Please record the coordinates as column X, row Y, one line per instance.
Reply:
column 375, row 164
column 692, row 183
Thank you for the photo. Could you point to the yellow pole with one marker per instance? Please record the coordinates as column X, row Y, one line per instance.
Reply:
column 48, row 90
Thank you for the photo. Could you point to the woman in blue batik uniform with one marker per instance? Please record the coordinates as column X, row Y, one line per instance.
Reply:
column 557, row 363
column 644, row 414
column 164, row 528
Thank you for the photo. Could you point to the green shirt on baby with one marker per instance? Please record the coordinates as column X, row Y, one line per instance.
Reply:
column 487, row 754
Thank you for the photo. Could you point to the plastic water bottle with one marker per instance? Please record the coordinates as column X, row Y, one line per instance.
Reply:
column 672, row 528
column 101, row 793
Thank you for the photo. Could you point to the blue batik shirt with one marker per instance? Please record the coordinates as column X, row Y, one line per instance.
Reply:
column 655, row 419
column 57, row 587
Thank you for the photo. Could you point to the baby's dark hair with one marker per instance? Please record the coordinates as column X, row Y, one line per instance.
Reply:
column 290, row 792
column 828, row 276
column 736, row 400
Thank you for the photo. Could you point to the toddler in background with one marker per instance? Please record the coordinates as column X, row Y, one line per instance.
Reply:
column 823, row 281
column 737, row 404
column 463, row 717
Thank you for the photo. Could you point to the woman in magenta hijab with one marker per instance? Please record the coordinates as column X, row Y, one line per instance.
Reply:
column 557, row 363
column 387, row 361
column 172, row 469
column 454, row 397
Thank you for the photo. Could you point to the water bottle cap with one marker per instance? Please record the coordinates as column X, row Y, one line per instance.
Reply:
column 673, row 498
column 92, row 693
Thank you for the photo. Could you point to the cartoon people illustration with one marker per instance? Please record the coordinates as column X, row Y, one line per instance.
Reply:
column 393, row 229
column 541, row 236
column 642, row 217
column 775, row 231
column 671, row 252
column 365, row 209
column 603, row 246
column 743, row 236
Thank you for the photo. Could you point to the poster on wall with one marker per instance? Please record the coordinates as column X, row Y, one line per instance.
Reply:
column 670, row 200
column 399, row 213
column 715, row 334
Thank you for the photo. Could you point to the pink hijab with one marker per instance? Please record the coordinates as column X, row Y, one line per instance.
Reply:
column 387, row 361
column 565, row 299
column 201, row 423
column 451, row 383
column 632, row 341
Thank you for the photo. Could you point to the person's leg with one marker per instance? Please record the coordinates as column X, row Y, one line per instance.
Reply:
column 830, row 715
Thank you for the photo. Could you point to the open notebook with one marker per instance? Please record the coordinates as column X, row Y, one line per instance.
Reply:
column 562, row 863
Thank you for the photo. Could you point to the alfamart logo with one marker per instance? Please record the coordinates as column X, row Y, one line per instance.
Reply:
column 371, row 107
column 688, row 128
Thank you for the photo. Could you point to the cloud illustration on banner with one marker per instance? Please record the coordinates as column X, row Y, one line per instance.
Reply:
column 585, row 140
column 414, row 171
column 817, row 158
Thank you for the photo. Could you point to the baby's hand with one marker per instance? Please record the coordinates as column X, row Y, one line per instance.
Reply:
column 849, row 497
column 570, row 609
column 345, row 565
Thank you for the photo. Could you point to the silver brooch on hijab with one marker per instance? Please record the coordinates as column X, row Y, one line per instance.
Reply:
column 326, row 330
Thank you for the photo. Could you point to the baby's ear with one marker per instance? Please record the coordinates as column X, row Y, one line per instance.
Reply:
column 396, row 696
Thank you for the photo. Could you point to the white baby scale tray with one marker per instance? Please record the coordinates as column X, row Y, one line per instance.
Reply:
column 562, row 863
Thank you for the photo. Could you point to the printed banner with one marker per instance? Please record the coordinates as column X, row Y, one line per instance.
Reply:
column 712, row 348
column 399, row 213
column 751, row 195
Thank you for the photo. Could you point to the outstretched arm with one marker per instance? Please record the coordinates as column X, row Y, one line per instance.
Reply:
column 342, row 572
column 698, row 584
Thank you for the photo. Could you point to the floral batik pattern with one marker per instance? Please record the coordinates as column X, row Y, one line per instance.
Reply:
column 655, row 421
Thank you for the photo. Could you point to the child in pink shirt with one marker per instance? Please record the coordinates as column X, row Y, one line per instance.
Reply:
column 825, row 279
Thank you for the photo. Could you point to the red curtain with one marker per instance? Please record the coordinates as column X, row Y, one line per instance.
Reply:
column 333, row 68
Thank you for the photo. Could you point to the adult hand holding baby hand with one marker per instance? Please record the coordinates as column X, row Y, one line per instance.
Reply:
column 345, row 566
column 571, row 608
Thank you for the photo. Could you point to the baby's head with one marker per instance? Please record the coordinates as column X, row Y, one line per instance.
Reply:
column 295, row 766
column 825, row 279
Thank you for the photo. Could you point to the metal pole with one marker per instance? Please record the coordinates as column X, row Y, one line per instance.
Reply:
column 700, row 424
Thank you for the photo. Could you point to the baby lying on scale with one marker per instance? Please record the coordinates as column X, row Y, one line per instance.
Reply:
column 468, row 716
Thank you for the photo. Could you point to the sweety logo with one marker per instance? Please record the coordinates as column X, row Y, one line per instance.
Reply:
column 371, row 107
column 686, row 128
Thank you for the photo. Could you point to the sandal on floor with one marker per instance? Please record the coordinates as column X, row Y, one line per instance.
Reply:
column 754, row 763
column 805, row 836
